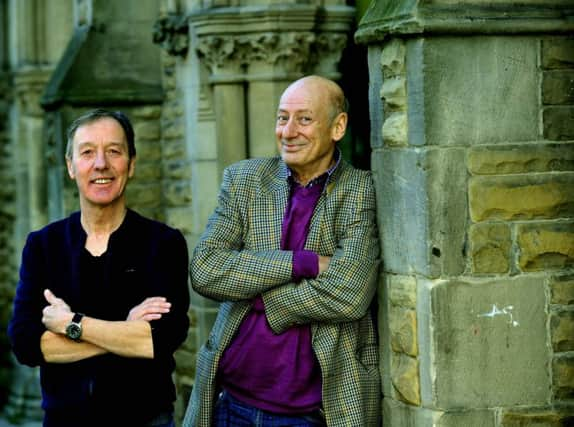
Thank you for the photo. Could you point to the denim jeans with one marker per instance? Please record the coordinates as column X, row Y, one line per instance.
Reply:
column 230, row 412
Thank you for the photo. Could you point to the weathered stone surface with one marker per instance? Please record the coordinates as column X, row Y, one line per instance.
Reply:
column 468, row 82
column 393, row 59
column 146, row 195
column 403, row 330
column 394, row 93
column 395, row 130
column 147, row 151
column 562, row 329
column 422, row 226
column 405, row 378
column 536, row 418
column 397, row 413
column 562, row 290
column 546, row 246
column 521, row 197
column 558, row 87
column 521, row 158
column 558, row 123
column 558, row 52
column 146, row 171
column 177, row 169
column 402, row 290
column 149, row 112
column 180, row 218
column 477, row 338
column 177, row 193
column 148, row 130
column 490, row 248
column 563, row 376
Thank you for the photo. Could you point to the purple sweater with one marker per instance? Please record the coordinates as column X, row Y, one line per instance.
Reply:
column 279, row 373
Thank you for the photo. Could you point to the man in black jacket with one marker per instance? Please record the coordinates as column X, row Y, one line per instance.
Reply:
column 102, row 300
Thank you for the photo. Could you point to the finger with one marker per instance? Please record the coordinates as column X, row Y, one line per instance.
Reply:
column 152, row 316
column 50, row 297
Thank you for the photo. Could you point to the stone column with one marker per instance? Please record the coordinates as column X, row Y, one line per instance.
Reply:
column 472, row 143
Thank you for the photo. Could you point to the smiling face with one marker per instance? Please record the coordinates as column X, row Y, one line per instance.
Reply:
column 100, row 163
column 306, row 129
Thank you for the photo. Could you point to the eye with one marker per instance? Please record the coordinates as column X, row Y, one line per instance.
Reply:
column 282, row 118
column 305, row 120
column 86, row 152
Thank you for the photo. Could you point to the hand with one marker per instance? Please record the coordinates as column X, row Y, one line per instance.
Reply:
column 57, row 314
column 324, row 262
column 150, row 309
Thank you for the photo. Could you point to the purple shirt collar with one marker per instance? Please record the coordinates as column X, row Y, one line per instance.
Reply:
column 323, row 178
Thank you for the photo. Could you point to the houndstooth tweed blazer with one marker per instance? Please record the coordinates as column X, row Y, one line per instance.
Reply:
column 239, row 257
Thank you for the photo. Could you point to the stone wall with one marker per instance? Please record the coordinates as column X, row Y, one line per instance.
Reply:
column 474, row 166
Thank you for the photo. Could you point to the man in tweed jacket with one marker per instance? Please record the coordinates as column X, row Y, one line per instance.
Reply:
column 292, row 253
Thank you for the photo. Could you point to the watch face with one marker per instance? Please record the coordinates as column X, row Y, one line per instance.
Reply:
column 74, row 331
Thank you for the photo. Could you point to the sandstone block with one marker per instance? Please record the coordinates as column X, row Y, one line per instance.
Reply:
column 558, row 87
column 148, row 130
column 521, row 197
column 180, row 218
column 562, row 329
column 467, row 84
column 558, row 53
column 536, row 418
column 521, row 158
column 393, row 58
column 546, row 246
column 479, row 338
column 147, row 151
column 149, row 112
column 146, row 195
column 402, row 290
column 558, row 123
column 563, row 376
column 177, row 193
column 490, row 248
column 395, row 129
column 146, row 171
column 394, row 93
column 177, row 169
column 405, row 378
column 562, row 290
column 403, row 330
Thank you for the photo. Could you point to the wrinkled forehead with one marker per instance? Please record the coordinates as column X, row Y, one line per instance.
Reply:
column 304, row 97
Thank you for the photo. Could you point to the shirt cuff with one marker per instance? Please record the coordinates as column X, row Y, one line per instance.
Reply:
column 305, row 265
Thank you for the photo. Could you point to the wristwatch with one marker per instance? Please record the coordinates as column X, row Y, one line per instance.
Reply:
column 74, row 328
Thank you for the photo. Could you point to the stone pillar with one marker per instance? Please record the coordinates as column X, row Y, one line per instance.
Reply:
column 472, row 154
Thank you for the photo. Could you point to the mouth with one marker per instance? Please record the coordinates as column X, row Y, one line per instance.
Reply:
column 102, row 180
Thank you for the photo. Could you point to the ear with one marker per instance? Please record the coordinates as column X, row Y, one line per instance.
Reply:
column 339, row 127
column 132, row 167
column 70, row 166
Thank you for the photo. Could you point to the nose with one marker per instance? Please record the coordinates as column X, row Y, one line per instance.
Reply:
column 289, row 129
column 100, row 161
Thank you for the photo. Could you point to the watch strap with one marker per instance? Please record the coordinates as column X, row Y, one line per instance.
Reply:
column 77, row 317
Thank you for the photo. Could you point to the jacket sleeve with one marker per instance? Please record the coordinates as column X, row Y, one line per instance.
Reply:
column 171, row 269
column 221, row 268
column 344, row 292
column 25, row 327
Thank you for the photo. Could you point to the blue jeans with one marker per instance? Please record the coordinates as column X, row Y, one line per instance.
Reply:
column 230, row 412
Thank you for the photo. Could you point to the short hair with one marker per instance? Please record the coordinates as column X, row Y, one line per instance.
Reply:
column 94, row 116
column 339, row 104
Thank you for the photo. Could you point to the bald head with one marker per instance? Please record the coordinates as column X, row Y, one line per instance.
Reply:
column 327, row 90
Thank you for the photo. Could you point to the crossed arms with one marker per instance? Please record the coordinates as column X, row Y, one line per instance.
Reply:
column 222, row 269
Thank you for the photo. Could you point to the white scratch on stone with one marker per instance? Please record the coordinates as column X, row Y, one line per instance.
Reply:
column 505, row 311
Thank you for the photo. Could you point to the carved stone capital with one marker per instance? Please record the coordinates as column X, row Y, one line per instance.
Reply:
column 285, row 53
column 172, row 33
